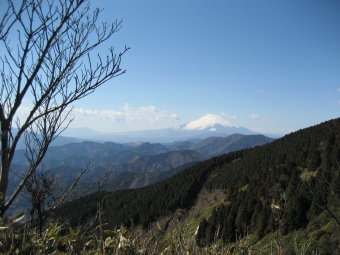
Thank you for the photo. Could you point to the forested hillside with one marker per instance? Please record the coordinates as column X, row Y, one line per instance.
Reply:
column 283, row 186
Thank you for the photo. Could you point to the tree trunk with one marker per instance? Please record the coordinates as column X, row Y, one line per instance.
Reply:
column 4, row 167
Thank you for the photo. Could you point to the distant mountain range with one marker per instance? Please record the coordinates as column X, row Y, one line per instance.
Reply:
column 210, row 125
column 206, row 126
column 138, row 158
column 215, row 146
column 131, row 165
column 110, row 154
column 59, row 141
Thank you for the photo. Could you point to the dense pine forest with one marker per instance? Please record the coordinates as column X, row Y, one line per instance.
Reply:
column 282, row 186
column 290, row 184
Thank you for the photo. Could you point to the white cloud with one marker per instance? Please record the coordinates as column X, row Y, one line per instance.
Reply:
column 273, row 130
column 255, row 116
column 23, row 111
column 230, row 117
column 126, row 118
column 129, row 113
column 81, row 113
column 338, row 89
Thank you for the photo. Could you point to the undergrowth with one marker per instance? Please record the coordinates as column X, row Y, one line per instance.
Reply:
column 60, row 239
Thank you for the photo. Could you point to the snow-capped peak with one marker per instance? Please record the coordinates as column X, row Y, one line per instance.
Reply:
column 208, row 121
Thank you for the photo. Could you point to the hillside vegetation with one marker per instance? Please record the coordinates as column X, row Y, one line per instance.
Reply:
column 270, row 191
column 280, row 198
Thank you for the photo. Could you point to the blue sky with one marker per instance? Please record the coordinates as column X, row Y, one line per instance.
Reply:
column 271, row 66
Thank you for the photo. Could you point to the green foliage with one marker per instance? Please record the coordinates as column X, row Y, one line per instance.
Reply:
column 56, row 240
column 278, row 188
column 272, row 173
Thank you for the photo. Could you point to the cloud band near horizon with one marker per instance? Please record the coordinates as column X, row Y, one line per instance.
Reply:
column 129, row 113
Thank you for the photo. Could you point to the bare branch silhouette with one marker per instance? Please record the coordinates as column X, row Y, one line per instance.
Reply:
column 53, row 62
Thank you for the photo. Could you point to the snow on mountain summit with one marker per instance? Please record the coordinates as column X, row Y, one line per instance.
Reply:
column 208, row 121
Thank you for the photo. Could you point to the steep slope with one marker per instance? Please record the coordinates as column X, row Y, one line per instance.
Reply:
column 141, row 206
column 133, row 180
column 283, row 186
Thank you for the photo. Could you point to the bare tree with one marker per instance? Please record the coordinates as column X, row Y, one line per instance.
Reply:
column 47, row 52
column 41, row 186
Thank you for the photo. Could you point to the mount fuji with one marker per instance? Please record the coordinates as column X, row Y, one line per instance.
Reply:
column 211, row 125
column 209, row 121
column 206, row 126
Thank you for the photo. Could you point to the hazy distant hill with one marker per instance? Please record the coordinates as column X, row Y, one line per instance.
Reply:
column 206, row 126
column 134, row 165
column 59, row 141
column 214, row 146
column 110, row 153
column 159, row 163
column 68, row 160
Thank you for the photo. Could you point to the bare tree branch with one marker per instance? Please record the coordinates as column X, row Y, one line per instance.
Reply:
column 41, row 186
column 53, row 63
column 67, row 194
